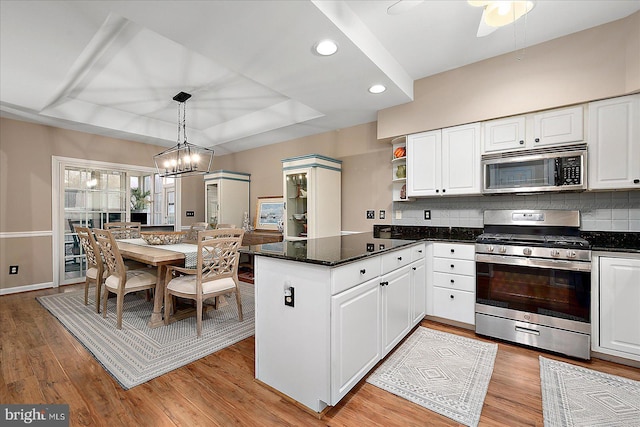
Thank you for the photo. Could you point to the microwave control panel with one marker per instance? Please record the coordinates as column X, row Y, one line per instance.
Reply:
column 569, row 170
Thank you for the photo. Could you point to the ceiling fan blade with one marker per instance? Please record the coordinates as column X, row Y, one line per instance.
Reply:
column 483, row 28
column 402, row 6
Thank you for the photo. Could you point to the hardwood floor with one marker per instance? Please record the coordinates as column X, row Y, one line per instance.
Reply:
column 43, row 363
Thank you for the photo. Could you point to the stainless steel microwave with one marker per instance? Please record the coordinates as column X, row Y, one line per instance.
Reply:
column 544, row 169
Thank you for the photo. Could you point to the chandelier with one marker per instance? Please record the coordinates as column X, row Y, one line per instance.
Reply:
column 184, row 159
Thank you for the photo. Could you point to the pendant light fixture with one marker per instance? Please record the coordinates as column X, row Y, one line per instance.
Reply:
column 184, row 159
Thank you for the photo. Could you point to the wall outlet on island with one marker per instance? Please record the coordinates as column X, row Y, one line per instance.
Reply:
column 427, row 214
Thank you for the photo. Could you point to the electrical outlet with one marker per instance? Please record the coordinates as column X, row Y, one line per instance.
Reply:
column 398, row 214
column 381, row 214
column 13, row 269
column 371, row 214
column 190, row 213
column 427, row 214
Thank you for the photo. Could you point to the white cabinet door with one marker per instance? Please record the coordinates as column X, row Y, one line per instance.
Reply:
column 461, row 160
column 396, row 307
column 504, row 134
column 614, row 143
column 558, row 127
column 418, row 291
column 355, row 336
column 619, row 301
column 423, row 164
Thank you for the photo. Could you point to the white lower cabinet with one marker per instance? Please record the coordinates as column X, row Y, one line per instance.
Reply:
column 617, row 303
column 452, row 284
column 396, row 307
column 344, row 320
column 355, row 336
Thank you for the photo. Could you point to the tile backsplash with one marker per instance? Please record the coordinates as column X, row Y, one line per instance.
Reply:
column 601, row 211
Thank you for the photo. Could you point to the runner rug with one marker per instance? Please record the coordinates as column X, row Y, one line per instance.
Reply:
column 577, row 396
column 136, row 353
column 445, row 373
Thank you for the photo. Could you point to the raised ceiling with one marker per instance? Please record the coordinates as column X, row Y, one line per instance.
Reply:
column 112, row 67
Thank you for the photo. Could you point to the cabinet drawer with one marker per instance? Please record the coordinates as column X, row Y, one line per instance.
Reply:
column 454, row 281
column 417, row 252
column 395, row 259
column 454, row 305
column 454, row 250
column 455, row 266
column 350, row 275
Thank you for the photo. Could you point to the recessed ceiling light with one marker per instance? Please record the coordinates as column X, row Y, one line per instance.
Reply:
column 377, row 88
column 325, row 47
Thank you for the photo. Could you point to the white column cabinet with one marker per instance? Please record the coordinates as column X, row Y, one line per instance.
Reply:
column 312, row 192
column 614, row 143
column 617, row 301
column 226, row 197
column 444, row 162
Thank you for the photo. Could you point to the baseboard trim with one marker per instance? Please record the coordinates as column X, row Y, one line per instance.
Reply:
column 27, row 288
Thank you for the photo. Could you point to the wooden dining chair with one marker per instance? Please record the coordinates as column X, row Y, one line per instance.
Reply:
column 120, row 281
column 225, row 226
column 95, row 266
column 216, row 273
column 124, row 230
column 192, row 234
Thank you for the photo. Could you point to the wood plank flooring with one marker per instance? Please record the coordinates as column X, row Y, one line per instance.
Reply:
column 42, row 363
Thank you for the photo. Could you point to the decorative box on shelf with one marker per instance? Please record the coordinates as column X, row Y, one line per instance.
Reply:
column 399, row 169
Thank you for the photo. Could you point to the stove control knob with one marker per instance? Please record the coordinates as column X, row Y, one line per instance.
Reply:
column 490, row 248
column 503, row 249
column 555, row 252
column 527, row 251
column 571, row 254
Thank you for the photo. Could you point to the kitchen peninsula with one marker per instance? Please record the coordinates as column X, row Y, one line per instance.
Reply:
column 329, row 309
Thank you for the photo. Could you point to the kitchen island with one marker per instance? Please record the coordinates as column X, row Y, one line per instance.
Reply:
column 329, row 309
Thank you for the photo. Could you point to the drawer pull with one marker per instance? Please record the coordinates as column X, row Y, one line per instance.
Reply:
column 453, row 251
column 453, row 281
column 452, row 297
column 419, row 251
column 399, row 258
column 363, row 271
column 415, row 268
column 384, row 283
column 452, row 266
column 527, row 330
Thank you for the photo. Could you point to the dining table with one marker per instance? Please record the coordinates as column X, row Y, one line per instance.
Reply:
column 158, row 256
column 183, row 254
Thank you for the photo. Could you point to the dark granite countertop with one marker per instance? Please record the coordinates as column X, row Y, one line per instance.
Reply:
column 610, row 241
column 329, row 251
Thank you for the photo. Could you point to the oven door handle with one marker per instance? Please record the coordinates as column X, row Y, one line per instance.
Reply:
column 534, row 262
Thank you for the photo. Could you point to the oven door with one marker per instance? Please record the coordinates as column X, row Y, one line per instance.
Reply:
column 553, row 288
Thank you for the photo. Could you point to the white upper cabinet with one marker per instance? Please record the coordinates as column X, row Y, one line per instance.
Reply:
column 553, row 127
column 504, row 134
column 614, row 143
column 444, row 162
column 226, row 197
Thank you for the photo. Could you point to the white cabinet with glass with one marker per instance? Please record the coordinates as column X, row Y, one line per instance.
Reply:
column 226, row 197
column 312, row 197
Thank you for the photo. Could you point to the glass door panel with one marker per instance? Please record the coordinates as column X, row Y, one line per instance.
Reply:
column 296, row 204
column 213, row 203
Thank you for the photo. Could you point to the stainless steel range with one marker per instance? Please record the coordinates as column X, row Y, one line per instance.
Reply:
column 533, row 280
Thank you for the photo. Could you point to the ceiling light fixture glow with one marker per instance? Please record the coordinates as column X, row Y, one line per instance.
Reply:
column 325, row 47
column 500, row 13
column 377, row 88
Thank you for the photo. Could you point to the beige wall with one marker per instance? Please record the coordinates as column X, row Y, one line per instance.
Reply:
column 597, row 63
column 26, row 150
column 366, row 170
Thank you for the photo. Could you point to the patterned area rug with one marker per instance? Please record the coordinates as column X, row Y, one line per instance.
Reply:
column 577, row 396
column 135, row 354
column 445, row 373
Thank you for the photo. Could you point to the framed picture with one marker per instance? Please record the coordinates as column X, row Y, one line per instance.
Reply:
column 269, row 212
